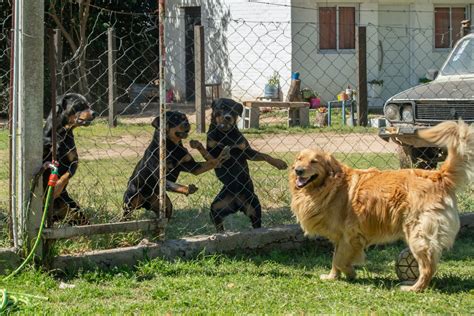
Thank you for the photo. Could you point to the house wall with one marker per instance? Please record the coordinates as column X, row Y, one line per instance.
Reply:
column 327, row 73
column 400, row 46
column 244, row 44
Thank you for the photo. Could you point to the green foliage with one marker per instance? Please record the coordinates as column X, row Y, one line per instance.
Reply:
column 376, row 82
column 274, row 80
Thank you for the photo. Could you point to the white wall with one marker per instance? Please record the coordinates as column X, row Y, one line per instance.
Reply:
column 399, row 45
column 327, row 73
column 245, row 43
column 422, row 37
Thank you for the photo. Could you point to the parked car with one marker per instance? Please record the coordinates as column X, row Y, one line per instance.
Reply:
column 450, row 96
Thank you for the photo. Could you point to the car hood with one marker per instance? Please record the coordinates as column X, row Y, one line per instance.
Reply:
column 439, row 89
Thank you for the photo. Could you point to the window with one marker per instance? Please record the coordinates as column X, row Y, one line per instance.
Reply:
column 336, row 28
column 448, row 25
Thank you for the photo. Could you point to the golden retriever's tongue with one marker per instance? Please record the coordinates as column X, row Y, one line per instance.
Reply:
column 301, row 181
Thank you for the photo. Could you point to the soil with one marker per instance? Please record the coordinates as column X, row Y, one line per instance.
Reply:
column 128, row 146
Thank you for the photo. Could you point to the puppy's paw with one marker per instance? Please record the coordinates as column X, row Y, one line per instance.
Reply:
column 280, row 164
column 329, row 277
column 195, row 144
column 225, row 154
column 191, row 189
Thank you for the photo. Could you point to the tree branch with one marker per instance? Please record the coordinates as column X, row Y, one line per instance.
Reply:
column 65, row 33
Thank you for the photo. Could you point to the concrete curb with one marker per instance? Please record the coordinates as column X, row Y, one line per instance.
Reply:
column 263, row 239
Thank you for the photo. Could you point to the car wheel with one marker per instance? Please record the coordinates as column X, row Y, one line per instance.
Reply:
column 422, row 157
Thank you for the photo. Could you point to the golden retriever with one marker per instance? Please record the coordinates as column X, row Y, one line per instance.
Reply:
column 358, row 208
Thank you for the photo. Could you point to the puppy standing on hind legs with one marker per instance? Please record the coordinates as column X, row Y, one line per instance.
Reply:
column 237, row 193
column 358, row 208
column 142, row 188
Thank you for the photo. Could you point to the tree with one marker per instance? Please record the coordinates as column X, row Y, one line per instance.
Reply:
column 71, row 18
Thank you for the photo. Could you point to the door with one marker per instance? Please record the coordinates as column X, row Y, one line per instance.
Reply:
column 192, row 17
column 394, row 48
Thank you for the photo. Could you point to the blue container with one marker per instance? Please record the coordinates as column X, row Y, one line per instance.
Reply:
column 270, row 91
column 295, row 76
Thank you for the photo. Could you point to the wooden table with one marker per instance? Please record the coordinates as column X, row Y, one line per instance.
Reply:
column 344, row 105
column 298, row 112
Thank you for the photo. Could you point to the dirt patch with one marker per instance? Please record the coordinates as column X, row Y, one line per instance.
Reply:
column 129, row 146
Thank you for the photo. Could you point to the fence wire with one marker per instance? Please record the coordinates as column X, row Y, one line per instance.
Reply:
column 5, row 55
column 244, row 60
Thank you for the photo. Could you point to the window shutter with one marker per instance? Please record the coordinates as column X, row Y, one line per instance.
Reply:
column 327, row 28
column 346, row 27
column 457, row 15
column 442, row 39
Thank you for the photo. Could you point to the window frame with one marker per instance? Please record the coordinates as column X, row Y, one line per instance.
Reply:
column 337, row 49
column 450, row 6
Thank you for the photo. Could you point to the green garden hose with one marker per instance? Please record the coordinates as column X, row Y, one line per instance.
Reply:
column 9, row 300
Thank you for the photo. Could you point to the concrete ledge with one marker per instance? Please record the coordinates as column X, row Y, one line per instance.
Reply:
column 263, row 239
column 9, row 260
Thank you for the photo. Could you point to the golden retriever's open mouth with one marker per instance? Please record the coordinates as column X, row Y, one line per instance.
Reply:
column 301, row 182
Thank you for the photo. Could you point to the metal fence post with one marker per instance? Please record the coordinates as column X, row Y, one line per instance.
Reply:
column 112, row 75
column 58, row 50
column 200, row 77
column 162, row 108
column 362, row 107
column 27, row 148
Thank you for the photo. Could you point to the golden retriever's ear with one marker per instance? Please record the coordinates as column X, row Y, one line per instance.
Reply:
column 333, row 164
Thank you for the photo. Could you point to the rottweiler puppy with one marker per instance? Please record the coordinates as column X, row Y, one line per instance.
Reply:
column 72, row 111
column 143, row 185
column 237, row 193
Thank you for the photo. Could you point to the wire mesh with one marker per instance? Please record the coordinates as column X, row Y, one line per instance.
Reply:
column 244, row 60
column 5, row 44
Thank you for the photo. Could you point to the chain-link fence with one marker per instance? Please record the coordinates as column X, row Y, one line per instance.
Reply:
column 252, row 62
column 5, row 57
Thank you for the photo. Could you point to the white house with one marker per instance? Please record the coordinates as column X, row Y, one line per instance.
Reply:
column 248, row 40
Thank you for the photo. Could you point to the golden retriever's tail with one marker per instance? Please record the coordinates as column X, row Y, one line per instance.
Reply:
column 458, row 138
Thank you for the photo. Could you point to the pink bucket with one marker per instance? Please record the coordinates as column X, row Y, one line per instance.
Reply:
column 314, row 103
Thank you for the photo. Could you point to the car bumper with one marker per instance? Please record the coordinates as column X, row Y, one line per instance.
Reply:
column 404, row 135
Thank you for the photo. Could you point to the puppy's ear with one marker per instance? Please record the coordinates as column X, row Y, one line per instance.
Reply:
column 156, row 122
column 213, row 104
column 239, row 108
column 61, row 103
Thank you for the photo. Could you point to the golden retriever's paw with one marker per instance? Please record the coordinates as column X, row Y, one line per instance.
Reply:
column 410, row 288
column 406, row 288
column 328, row 277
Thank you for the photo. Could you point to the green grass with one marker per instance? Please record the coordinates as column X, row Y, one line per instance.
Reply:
column 280, row 282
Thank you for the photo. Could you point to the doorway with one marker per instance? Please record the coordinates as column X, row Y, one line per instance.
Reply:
column 192, row 17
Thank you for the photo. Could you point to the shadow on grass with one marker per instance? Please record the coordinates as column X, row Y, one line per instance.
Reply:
column 446, row 285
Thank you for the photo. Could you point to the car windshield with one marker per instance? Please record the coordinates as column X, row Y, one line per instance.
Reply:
column 461, row 61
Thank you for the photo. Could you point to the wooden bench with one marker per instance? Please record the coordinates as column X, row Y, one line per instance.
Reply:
column 298, row 112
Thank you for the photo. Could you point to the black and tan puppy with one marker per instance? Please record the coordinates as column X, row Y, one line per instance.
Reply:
column 143, row 185
column 72, row 110
column 238, row 192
